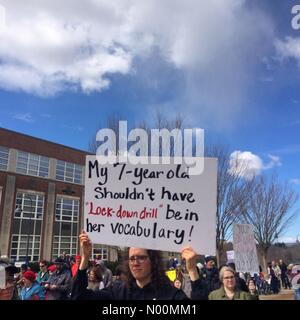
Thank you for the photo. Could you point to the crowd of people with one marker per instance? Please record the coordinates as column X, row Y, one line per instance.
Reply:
column 54, row 279
column 141, row 276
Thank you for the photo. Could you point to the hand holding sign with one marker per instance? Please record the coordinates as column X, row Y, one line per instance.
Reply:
column 190, row 257
column 86, row 246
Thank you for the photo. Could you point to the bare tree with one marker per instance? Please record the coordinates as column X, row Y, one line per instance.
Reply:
column 160, row 121
column 269, row 211
column 233, row 191
column 112, row 122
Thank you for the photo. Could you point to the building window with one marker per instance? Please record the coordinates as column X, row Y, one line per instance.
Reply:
column 27, row 227
column 4, row 152
column 19, row 247
column 65, row 227
column 69, row 172
column 32, row 164
column 101, row 250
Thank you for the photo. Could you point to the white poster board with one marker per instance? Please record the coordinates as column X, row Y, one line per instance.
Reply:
column 2, row 278
column 153, row 206
column 230, row 255
column 295, row 277
column 245, row 254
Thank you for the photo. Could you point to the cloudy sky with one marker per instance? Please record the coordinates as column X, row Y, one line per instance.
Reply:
column 231, row 68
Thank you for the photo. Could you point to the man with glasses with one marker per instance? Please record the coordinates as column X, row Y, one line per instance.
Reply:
column 146, row 278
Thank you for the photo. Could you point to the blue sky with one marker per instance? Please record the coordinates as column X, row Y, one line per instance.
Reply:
column 233, row 70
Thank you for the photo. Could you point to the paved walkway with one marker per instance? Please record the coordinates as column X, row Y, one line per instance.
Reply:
column 283, row 295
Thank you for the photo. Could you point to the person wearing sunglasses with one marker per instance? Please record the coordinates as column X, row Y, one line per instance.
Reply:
column 43, row 274
column 229, row 289
column 145, row 277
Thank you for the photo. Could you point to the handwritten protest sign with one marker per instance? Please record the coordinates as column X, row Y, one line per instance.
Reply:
column 153, row 206
column 245, row 254
column 2, row 278
column 295, row 277
column 230, row 255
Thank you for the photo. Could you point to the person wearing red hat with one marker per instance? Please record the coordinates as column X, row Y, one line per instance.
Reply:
column 32, row 290
column 76, row 265
column 51, row 269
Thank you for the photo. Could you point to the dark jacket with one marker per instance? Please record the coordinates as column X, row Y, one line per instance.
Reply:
column 122, row 292
column 241, row 283
column 63, row 280
column 210, row 278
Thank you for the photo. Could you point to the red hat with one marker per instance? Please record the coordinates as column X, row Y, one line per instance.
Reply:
column 52, row 268
column 29, row 275
column 78, row 257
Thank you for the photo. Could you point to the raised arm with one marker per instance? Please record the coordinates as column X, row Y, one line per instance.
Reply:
column 199, row 289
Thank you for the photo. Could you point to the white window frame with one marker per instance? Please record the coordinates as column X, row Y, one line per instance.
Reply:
column 57, row 243
column 35, row 202
column 26, row 161
column 4, row 167
column 74, row 169
column 34, row 239
column 34, row 245
column 104, row 250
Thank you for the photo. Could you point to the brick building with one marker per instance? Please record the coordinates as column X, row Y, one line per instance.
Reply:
column 41, row 198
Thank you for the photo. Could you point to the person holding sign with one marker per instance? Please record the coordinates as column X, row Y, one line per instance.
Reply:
column 146, row 279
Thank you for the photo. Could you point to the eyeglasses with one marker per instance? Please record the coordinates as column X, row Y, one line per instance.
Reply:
column 139, row 259
column 228, row 278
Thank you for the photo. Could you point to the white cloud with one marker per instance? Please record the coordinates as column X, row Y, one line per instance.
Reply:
column 287, row 240
column 289, row 149
column 76, row 128
column 274, row 162
column 62, row 45
column 247, row 165
column 288, row 48
column 26, row 117
column 295, row 181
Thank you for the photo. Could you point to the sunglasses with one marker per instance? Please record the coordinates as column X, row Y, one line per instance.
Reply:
column 139, row 259
column 42, row 266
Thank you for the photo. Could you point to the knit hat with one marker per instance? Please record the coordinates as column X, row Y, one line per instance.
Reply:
column 59, row 260
column 52, row 268
column 209, row 258
column 29, row 275
column 78, row 257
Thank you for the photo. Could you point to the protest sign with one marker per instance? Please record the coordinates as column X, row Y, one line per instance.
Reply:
column 245, row 254
column 171, row 275
column 230, row 255
column 2, row 278
column 295, row 277
column 153, row 206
